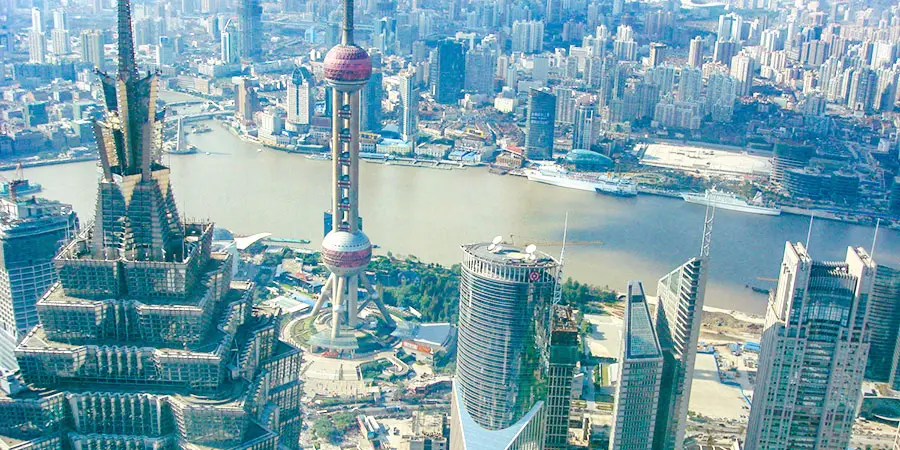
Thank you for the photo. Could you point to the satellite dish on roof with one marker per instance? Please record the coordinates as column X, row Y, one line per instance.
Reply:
column 491, row 247
column 497, row 249
column 497, row 240
column 530, row 249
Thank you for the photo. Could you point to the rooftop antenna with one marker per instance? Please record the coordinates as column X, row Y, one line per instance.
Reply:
column 809, row 232
column 557, row 292
column 707, row 231
column 874, row 239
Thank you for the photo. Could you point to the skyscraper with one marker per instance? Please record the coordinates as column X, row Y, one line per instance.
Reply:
column 742, row 71
column 561, row 364
column 481, row 63
column 448, row 71
column 498, row 398
column 884, row 317
column 230, row 51
column 657, row 54
column 146, row 341
column 250, row 29
column 346, row 250
column 695, row 55
column 37, row 41
column 31, row 232
column 539, row 125
column 813, row 355
column 301, row 100
column 92, row 48
column 678, row 317
column 59, row 36
column 583, row 130
column 247, row 101
column 640, row 375
column 409, row 104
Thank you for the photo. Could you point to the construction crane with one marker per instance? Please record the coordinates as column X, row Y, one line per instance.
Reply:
column 13, row 184
column 526, row 240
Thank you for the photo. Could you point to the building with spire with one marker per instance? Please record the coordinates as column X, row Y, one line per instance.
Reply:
column 679, row 307
column 346, row 250
column 301, row 97
column 813, row 353
column 145, row 341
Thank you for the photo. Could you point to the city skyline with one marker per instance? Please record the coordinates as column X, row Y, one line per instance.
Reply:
column 473, row 118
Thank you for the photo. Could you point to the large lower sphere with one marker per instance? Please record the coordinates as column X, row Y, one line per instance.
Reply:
column 345, row 253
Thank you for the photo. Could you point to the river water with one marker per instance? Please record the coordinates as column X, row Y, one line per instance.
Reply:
column 429, row 213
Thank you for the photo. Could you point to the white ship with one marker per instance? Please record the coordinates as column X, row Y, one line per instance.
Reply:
column 604, row 184
column 730, row 201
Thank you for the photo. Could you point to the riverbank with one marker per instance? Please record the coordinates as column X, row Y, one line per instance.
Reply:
column 46, row 162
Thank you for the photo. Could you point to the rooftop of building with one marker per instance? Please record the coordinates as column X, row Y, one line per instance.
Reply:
column 564, row 319
column 640, row 337
column 512, row 255
column 27, row 209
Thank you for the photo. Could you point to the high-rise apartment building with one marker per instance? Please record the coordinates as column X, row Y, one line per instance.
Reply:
column 640, row 376
column 37, row 41
column 499, row 393
column 409, row 104
column 742, row 71
column 527, row 36
column 31, row 232
column 370, row 98
column 813, row 353
column 695, row 55
column 539, row 124
column 301, row 99
column 690, row 83
column 92, row 48
column 448, row 71
column 146, row 341
column 250, row 29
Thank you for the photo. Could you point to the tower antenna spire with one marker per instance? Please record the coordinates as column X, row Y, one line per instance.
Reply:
column 127, row 65
column 347, row 35
column 809, row 232
column 707, row 231
column 557, row 292
column 875, row 238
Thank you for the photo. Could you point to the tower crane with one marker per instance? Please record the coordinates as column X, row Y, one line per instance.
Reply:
column 14, row 183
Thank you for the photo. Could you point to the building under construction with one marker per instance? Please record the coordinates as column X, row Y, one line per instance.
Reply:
column 146, row 342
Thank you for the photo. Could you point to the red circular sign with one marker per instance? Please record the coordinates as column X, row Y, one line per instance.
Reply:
column 534, row 276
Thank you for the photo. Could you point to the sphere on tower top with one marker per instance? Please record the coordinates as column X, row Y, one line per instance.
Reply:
column 344, row 253
column 347, row 67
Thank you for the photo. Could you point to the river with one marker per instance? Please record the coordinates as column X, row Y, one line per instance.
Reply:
column 429, row 213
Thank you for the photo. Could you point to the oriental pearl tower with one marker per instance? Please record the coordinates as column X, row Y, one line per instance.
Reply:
column 346, row 250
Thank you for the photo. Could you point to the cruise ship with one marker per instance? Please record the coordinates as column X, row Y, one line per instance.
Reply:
column 730, row 201
column 604, row 184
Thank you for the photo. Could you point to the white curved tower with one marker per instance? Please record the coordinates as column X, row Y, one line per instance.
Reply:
column 346, row 250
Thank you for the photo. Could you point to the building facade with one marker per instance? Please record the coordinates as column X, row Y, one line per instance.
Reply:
column 448, row 71
column 813, row 353
column 500, row 391
column 562, row 363
column 250, row 29
column 884, row 318
column 640, row 375
column 301, row 99
column 409, row 104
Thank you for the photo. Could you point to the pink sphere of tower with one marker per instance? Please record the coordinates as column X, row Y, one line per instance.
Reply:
column 345, row 253
column 347, row 67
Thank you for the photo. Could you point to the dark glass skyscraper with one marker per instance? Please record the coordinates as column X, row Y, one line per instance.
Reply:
column 250, row 29
column 31, row 232
column 146, row 342
column 448, row 71
column 540, row 124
